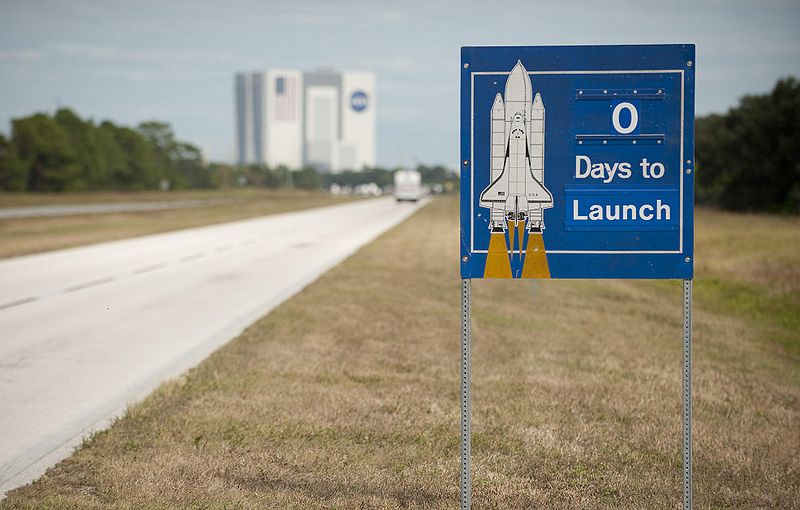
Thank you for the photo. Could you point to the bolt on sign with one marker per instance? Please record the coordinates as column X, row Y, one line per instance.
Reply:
column 577, row 162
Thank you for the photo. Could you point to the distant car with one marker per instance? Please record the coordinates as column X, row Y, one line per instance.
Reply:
column 369, row 190
column 407, row 185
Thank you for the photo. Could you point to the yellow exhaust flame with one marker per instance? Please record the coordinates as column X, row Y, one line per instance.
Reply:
column 497, row 263
column 535, row 258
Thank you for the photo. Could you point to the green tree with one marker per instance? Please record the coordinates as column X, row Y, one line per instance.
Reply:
column 44, row 155
column 138, row 169
column 434, row 174
column 160, row 135
column 747, row 158
column 116, row 163
column 307, row 178
column 223, row 175
column 182, row 163
column 13, row 175
column 76, row 131
column 190, row 165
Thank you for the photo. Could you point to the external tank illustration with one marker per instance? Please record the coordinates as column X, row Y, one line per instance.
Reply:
column 516, row 194
column 516, row 191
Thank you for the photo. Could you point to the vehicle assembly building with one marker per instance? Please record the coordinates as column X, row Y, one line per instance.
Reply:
column 321, row 119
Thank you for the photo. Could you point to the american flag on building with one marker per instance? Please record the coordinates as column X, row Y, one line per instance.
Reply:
column 284, row 104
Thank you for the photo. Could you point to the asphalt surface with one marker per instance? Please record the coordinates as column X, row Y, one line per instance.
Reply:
column 86, row 331
column 67, row 210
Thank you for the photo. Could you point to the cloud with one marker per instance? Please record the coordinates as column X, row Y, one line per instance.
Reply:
column 85, row 50
column 160, row 57
column 21, row 55
column 135, row 75
column 392, row 16
column 385, row 64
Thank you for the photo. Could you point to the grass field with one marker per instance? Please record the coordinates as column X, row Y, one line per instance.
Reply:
column 347, row 395
column 23, row 236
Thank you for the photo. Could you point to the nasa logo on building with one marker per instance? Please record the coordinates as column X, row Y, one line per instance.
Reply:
column 359, row 101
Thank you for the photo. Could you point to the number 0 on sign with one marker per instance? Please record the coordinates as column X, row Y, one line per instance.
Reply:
column 577, row 162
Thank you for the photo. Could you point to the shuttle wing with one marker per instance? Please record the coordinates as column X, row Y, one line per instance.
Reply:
column 497, row 191
column 535, row 192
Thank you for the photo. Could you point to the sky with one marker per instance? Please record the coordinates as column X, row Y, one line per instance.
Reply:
column 174, row 60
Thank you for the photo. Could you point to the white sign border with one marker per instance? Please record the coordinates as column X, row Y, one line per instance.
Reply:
column 603, row 71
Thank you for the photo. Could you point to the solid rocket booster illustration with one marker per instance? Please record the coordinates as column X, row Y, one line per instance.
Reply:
column 516, row 191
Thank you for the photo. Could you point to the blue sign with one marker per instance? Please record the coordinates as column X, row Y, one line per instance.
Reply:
column 359, row 101
column 577, row 161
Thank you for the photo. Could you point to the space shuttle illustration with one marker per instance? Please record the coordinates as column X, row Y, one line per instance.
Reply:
column 516, row 192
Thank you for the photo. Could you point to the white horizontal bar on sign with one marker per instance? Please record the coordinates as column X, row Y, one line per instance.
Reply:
column 610, row 94
column 609, row 139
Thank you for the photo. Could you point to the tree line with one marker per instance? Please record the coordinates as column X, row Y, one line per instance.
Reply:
column 747, row 158
column 63, row 152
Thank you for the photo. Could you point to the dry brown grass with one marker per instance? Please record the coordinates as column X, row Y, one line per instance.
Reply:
column 347, row 397
column 751, row 248
column 23, row 236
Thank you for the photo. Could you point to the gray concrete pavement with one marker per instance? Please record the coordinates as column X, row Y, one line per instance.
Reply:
column 85, row 332
column 72, row 209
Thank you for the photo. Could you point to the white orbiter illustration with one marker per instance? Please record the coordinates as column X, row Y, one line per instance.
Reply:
column 516, row 191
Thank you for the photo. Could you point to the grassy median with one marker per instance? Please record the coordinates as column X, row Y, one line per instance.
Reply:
column 346, row 396
column 23, row 236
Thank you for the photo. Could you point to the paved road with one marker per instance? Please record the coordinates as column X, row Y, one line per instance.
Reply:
column 86, row 331
column 71, row 209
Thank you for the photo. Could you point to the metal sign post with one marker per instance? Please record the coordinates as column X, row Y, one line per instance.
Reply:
column 466, row 412
column 577, row 162
column 687, row 394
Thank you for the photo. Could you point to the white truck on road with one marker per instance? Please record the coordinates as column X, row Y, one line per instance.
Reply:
column 407, row 185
